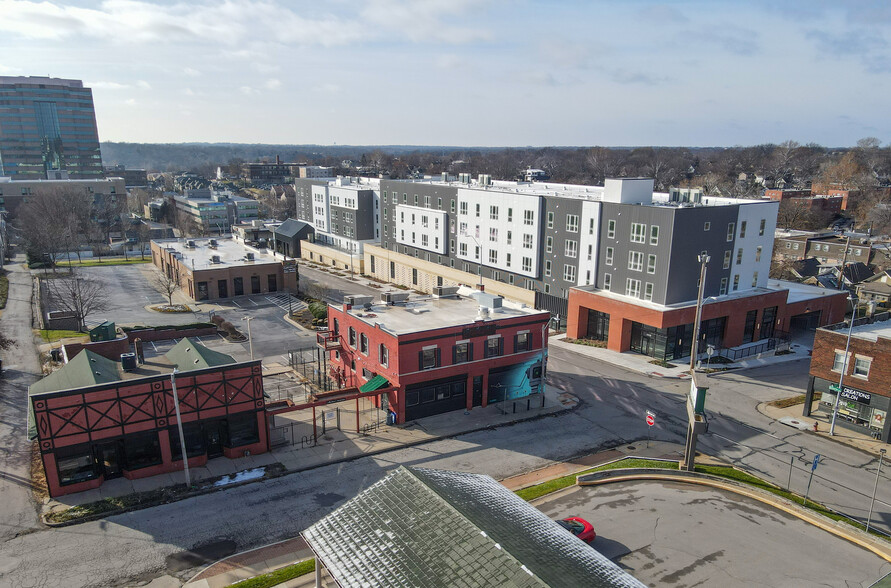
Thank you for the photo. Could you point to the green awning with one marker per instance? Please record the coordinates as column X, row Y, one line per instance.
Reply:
column 373, row 384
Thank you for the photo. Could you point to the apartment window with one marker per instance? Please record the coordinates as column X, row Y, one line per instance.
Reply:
column 416, row 199
column 755, row 280
column 527, row 264
column 572, row 223
column 463, row 208
column 548, row 268
column 861, row 366
column 493, row 256
column 728, row 255
column 510, row 215
column 352, row 337
column 654, row 235
column 549, row 244
column 439, row 203
column 429, row 358
column 635, row 261
column 707, row 226
column 736, row 282
column 638, row 232
column 426, row 201
column 476, row 252
column 547, row 288
column 632, row 288
column 477, row 210
column 363, row 344
column 609, row 256
column 550, row 220
column 648, row 291
column 528, row 217
column 493, row 213
column 591, row 227
column 723, row 286
column 527, row 241
column 742, row 229
column 383, row 355
column 569, row 273
column 392, row 270
column 494, row 347
column 607, row 281
column 462, row 352
column 522, row 342
column 571, row 249
column 462, row 249
column 761, row 228
column 507, row 262
column 452, row 206
column 758, row 253
column 739, row 256
column 731, row 228
column 414, row 275
column 510, row 237
column 651, row 264
column 838, row 364
column 424, row 220
column 590, row 252
column 493, row 234
column 610, row 229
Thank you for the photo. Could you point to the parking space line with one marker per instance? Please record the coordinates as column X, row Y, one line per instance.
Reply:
column 236, row 304
column 153, row 345
column 251, row 300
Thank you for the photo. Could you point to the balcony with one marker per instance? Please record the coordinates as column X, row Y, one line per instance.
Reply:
column 328, row 340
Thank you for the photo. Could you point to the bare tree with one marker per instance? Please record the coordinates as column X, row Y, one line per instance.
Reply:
column 78, row 295
column 45, row 226
column 143, row 237
column 166, row 284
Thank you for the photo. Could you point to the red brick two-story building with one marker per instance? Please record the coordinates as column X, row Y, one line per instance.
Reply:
column 442, row 353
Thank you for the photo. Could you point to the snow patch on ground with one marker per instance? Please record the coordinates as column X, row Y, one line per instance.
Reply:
column 241, row 477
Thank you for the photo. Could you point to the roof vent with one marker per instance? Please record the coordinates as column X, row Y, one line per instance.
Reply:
column 213, row 243
column 215, row 259
column 249, row 256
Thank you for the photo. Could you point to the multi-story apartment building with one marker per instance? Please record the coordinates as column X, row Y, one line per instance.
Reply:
column 47, row 125
column 14, row 193
column 217, row 211
column 343, row 211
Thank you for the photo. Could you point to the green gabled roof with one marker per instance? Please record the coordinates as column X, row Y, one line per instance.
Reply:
column 373, row 384
column 190, row 355
column 85, row 369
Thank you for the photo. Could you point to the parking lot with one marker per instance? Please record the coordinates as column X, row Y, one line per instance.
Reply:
column 129, row 291
column 671, row 534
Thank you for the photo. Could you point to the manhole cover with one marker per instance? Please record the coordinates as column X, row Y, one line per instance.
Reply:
column 200, row 555
column 632, row 447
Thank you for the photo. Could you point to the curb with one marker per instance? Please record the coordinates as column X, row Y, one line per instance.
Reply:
column 110, row 513
column 851, row 534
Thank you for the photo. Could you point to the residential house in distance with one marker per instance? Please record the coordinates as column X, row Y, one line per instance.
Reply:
column 865, row 397
column 96, row 419
column 876, row 288
column 826, row 247
column 211, row 269
column 48, row 129
column 457, row 350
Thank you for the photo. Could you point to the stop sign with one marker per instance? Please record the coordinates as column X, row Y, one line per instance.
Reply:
column 650, row 420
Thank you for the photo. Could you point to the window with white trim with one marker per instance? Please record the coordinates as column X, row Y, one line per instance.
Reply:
column 510, row 237
column 723, row 286
column 550, row 220
column 607, row 281
column 493, row 213
column 610, row 229
column 363, row 344
column 493, row 234
column 861, row 366
column 463, row 208
column 609, row 256
column 462, row 249
column 528, row 217
column 527, row 264
column 547, row 268
column 651, row 264
column 654, row 235
column 572, row 223
column 728, row 255
column 736, row 282
column 742, row 229
column 758, row 253
column 648, row 291
column 755, row 280
column 527, row 241
column 638, row 233
column 838, row 363
column 632, row 288
column 383, row 355
column 707, row 226
column 493, row 256
column 635, row 261
column 569, row 273
column 739, row 254
column 731, row 229
column 761, row 228
column 571, row 249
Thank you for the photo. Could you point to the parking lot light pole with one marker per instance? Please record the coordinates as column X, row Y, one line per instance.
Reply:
column 250, row 339
column 179, row 426
column 875, row 488
column 841, row 376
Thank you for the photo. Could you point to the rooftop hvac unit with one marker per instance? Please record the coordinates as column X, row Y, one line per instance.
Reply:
column 394, row 297
column 445, row 291
column 215, row 259
column 464, row 178
column 249, row 256
column 357, row 299
column 128, row 361
column 485, row 179
column 190, row 244
column 213, row 243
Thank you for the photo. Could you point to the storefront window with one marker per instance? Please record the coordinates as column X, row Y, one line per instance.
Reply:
column 75, row 464
column 142, row 450
column 243, row 429
column 194, row 441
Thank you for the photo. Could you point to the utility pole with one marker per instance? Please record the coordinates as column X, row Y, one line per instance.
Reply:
column 694, row 352
column 179, row 426
column 841, row 271
column 698, row 382
column 841, row 376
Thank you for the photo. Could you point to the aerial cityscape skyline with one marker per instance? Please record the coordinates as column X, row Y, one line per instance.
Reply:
column 465, row 73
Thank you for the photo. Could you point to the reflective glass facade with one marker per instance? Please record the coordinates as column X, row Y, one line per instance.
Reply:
column 47, row 124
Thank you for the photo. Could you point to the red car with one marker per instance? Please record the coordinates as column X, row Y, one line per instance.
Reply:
column 579, row 527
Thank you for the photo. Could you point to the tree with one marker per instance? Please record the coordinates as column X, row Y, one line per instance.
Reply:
column 78, row 295
column 143, row 237
column 166, row 284
column 47, row 224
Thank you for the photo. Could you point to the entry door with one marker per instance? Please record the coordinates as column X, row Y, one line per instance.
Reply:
column 109, row 457
column 477, row 390
column 647, row 344
column 213, row 438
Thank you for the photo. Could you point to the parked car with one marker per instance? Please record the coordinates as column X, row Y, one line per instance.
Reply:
column 579, row 527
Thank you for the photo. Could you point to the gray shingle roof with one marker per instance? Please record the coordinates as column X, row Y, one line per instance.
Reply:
column 290, row 227
column 432, row 528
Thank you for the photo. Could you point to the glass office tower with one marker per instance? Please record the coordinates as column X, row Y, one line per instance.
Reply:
column 47, row 128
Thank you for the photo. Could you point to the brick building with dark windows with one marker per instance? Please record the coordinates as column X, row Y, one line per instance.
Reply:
column 96, row 419
column 866, row 386
column 456, row 350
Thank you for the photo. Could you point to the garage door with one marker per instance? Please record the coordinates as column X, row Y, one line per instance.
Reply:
column 429, row 398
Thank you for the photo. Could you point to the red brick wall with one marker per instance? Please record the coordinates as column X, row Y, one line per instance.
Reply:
column 827, row 342
column 110, row 349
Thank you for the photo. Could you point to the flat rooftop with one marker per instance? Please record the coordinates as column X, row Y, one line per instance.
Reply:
column 866, row 331
column 231, row 253
column 425, row 313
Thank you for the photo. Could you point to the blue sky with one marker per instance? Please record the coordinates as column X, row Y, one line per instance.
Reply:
column 467, row 72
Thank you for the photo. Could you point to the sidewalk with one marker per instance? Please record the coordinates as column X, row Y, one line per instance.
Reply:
column 680, row 367
column 263, row 560
column 335, row 446
column 791, row 416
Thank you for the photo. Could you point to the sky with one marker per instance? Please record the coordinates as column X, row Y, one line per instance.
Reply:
column 467, row 72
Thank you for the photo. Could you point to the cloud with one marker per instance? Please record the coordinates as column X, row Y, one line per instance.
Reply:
column 248, row 90
column 144, row 85
column 662, row 13
column 328, row 88
column 107, row 86
column 625, row 77
column 450, row 61
column 273, row 84
column 870, row 47
column 192, row 73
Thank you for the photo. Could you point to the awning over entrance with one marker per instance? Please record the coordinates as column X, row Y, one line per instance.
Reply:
column 374, row 384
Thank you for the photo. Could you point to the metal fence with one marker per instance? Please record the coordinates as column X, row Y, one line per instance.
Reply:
column 312, row 364
column 333, row 422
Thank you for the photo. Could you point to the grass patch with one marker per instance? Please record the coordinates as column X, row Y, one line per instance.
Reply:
column 662, row 363
column 101, row 262
column 539, row 490
column 787, row 402
column 4, row 289
column 588, row 342
column 50, row 335
column 279, row 576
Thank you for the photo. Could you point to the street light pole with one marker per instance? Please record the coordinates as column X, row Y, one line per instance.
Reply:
column 250, row 339
column 544, row 340
column 694, row 352
column 875, row 488
column 179, row 426
column 841, row 376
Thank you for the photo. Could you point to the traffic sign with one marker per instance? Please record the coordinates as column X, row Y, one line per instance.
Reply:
column 651, row 420
column 816, row 461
